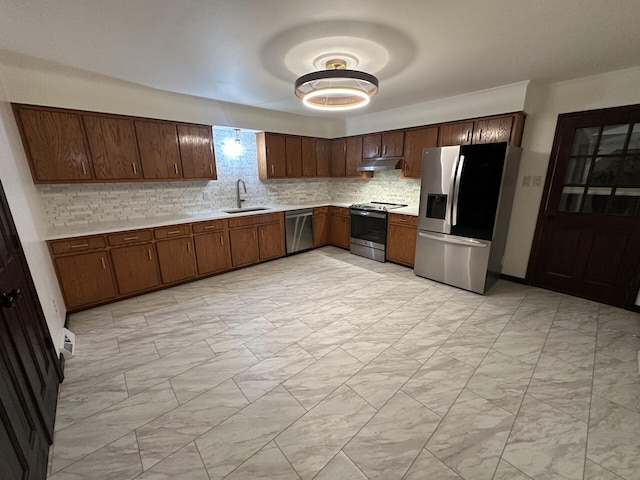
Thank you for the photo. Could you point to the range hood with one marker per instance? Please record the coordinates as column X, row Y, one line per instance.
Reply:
column 376, row 164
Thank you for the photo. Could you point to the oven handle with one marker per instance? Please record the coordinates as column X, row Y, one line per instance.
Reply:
column 364, row 213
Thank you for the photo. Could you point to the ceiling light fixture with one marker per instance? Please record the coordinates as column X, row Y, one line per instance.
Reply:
column 232, row 146
column 336, row 88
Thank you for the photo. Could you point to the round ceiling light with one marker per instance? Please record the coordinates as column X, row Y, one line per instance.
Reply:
column 336, row 88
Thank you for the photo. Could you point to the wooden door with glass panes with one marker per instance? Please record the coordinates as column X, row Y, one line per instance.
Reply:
column 588, row 234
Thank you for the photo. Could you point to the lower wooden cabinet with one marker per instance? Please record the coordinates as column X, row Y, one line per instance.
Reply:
column 320, row 226
column 270, row 241
column 244, row 250
column 212, row 252
column 339, row 227
column 86, row 278
column 136, row 268
column 177, row 259
column 401, row 239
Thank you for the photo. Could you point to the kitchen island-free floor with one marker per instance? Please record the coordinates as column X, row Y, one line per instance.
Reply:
column 327, row 365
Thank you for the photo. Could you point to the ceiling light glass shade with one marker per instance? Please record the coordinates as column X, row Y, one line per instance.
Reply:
column 232, row 146
column 336, row 89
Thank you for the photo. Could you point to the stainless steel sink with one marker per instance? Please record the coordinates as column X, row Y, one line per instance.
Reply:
column 244, row 210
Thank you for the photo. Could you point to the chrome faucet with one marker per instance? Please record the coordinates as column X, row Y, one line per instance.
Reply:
column 238, row 199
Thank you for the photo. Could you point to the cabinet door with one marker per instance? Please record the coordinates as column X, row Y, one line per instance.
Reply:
column 392, row 144
column 339, row 231
column 455, row 134
column 320, row 229
column 401, row 244
column 54, row 144
column 158, row 147
column 244, row 246
column 176, row 259
column 212, row 252
column 493, row 130
column 276, row 154
column 308, row 147
column 196, row 152
column 112, row 143
column 136, row 268
column 293, row 147
column 353, row 156
column 371, row 145
column 271, row 241
column 323, row 157
column 414, row 142
column 85, row 278
column 338, row 157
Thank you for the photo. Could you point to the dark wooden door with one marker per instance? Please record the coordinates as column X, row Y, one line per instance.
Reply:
column 588, row 229
column 271, row 241
column 276, row 153
column 196, row 152
column 338, row 157
column 458, row 133
column 416, row 141
column 212, row 252
column 293, row 147
column 392, row 144
column 493, row 130
column 323, row 157
column 308, row 147
column 244, row 246
column 176, row 259
column 320, row 228
column 135, row 267
column 158, row 147
column 86, row 278
column 114, row 152
column 29, row 369
column 339, row 230
column 353, row 156
column 371, row 145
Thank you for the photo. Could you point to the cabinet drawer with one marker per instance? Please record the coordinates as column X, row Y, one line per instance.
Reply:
column 320, row 210
column 80, row 244
column 210, row 226
column 134, row 236
column 173, row 231
column 341, row 211
column 254, row 220
column 399, row 219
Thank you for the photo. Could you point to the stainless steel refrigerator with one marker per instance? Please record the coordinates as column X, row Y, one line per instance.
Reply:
column 465, row 206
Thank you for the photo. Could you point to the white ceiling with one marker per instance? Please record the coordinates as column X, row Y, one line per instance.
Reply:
column 251, row 51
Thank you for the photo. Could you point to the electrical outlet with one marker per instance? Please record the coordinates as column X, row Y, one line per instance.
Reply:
column 537, row 181
column 526, row 181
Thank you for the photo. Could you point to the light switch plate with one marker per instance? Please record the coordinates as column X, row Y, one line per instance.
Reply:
column 526, row 181
column 537, row 181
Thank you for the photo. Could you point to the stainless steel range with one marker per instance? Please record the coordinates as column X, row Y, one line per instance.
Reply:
column 369, row 229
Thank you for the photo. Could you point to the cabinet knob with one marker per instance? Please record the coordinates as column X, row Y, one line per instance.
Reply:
column 8, row 300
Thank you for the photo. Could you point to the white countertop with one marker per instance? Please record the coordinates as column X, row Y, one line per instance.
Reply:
column 161, row 221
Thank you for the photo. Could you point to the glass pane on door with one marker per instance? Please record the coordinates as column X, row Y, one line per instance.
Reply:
column 585, row 141
column 571, row 199
column 597, row 200
column 625, row 201
column 605, row 170
column 630, row 174
column 578, row 171
column 634, row 141
column 613, row 139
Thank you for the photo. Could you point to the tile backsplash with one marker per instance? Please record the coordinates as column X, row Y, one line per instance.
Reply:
column 80, row 204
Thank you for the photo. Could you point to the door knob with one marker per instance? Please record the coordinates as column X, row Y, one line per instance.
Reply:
column 8, row 300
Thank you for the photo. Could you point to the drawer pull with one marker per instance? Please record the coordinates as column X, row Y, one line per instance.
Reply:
column 173, row 232
column 272, row 169
column 401, row 220
column 175, row 168
column 149, row 253
column 135, row 170
column 189, row 247
column 221, row 241
column 211, row 168
column 210, row 227
column 129, row 239
column 84, row 169
column 104, row 265
column 80, row 245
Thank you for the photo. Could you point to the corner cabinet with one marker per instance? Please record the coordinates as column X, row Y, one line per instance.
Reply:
column 73, row 146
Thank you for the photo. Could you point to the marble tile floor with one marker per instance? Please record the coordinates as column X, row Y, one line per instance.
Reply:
column 325, row 365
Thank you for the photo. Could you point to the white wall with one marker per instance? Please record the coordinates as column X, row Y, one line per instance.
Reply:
column 26, row 208
column 543, row 105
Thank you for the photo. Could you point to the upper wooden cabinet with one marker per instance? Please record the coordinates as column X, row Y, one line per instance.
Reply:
column 112, row 142
column 308, row 147
column 71, row 146
column 414, row 142
column 386, row 144
column 323, row 157
column 271, row 150
column 54, row 144
column 353, row 156
column 293, row 155
column 159, row 153
column 500, row 128
column 196, row 152
column 338, row 157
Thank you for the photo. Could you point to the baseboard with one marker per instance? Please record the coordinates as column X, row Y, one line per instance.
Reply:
column 522, row 281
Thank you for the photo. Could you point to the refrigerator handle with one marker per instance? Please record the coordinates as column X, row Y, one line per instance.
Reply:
column 456, row 194
column 447, row 213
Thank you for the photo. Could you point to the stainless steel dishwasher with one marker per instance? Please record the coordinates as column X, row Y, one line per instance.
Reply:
column 299, row 230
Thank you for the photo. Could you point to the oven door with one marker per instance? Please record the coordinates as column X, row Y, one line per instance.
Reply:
column 369, row 229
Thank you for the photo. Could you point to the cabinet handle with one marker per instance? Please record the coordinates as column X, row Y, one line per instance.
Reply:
column 211, row 168
column 173, row 232
column 189, row 247
column 401, row 220
column 84, row 169
column 271, row 169
column 377, row 148
column 221, row 243
column 149, row 253
column 175, row 168
column 384, row 150
column 80, row 245
column 480, row 135
column 254, row 235
column 209, row 227
column 129, row 239
column 104, row 265
column 135, row 170
column 468, row 134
